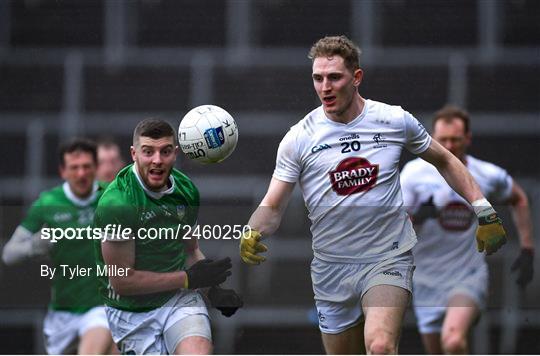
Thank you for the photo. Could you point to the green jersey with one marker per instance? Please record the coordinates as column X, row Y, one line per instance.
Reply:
column 59, row 208
column 156, row 221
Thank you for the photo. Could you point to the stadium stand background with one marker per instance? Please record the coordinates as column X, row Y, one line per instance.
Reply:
column 95, row 67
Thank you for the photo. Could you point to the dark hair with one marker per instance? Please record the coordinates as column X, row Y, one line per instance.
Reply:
column 107, row 142
column 77, row 144
column 153, row 128
column 449, row 112
column 340, row 46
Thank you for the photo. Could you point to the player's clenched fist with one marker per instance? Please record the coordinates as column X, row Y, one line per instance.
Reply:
column 250, row 246
column 208, row 273
column 490, row 235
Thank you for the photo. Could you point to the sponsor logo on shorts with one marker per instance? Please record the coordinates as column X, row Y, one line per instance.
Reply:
column 191, row 301
column 354, row 175
column 393, row 273
column 395, row 245
column 322, row 318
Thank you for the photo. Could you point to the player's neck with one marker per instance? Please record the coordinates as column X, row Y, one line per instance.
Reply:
column 352, row 112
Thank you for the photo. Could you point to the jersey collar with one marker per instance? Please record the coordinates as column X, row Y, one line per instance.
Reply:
column 78, row 201
column 150, row 193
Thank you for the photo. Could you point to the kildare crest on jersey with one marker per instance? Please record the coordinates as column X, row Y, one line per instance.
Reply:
column 354, row 175
column 380, row 140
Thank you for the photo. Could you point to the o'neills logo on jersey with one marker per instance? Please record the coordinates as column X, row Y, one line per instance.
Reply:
column 456, row 216
column 354, row 175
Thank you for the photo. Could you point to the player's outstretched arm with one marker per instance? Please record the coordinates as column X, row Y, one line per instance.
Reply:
column 23, row 245
column 204, row 273
column 490, row 235
column 265, row 220
column 522, row 219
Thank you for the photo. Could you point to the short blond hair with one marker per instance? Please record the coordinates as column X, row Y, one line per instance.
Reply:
column 337, row 46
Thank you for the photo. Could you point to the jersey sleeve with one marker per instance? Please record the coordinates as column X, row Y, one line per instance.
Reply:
column 113, row 210
column 34, row 219
column 417, row 138
column 288, row 165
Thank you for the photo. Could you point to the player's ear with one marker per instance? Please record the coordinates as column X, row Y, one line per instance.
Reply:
column 132, row 151
column 358, row 75
column 176, row 150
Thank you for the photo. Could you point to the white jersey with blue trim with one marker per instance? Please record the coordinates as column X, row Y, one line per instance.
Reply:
column 349, row 177
column 446, row 248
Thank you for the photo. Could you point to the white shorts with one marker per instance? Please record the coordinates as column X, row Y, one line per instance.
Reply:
column 62, row 329
column 339, row 287
column 430, row 301
column 144, row 333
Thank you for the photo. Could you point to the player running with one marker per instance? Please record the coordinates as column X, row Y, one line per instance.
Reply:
column 155, row 306
column 345, row 154
column 451, row 278
column 76, row 320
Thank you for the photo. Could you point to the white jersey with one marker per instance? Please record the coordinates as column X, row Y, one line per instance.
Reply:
column 349, row 177
column 446, row 249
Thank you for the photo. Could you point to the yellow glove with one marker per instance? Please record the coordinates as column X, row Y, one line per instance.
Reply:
column 490, row 235
column 250, row 246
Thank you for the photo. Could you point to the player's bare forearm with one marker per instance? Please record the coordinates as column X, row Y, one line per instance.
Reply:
column 267, row 216
column 193, row 255
column 522, row 216
column 265, row 219
column 453, row 171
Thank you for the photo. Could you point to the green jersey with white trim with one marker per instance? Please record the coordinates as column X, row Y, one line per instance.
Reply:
column 60, row 209
column 156, row 222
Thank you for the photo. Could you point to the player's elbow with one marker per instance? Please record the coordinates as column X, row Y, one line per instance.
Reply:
column 5, row 258
column 520, row 201
column 9, row 256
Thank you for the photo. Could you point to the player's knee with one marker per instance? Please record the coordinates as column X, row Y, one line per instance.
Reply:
column 454, row 343
column 381, row 343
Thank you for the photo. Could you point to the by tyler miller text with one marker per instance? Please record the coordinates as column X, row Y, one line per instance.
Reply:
column 77, row 271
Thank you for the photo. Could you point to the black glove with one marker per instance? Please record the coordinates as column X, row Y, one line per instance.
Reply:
column 426, row 211
column 225, row 300
column 524, row 264
column 207, row 273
